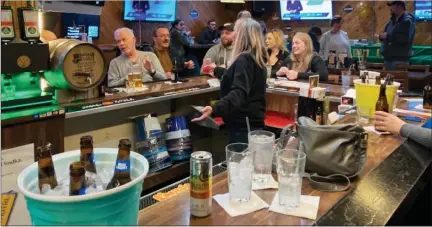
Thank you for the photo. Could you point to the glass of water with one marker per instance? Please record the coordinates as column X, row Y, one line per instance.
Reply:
column 240, row 163
column 262, row 142
column 290, row 169
column 363, row 115
column 346, row 80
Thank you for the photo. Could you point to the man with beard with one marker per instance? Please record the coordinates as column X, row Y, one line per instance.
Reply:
column 163, row 51
column 398, row 36
column 151, row 68
column 209, row 34
column 220, row 54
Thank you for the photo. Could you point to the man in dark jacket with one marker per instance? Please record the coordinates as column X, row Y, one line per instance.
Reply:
column 315, row 34
column 166, row 54
column 398, row 36
column 209, row 34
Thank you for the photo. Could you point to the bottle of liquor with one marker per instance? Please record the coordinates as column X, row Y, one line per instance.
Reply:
column 427, row 94
column 318, row 116
column 47, row 173
column 122, row 167
column 77, row 185
column 87, row 155
column 382, row 104
column 390, row 79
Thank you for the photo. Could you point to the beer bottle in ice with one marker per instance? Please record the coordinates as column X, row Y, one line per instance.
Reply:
column 382, row 104
column 46, row 169
column 87, row 155
column 77, row 179
column 378, row 80
column 122, row 166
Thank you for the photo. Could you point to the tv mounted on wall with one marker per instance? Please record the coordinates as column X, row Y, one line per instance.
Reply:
column 423, row 10
column 153, row 10
column 306, row 9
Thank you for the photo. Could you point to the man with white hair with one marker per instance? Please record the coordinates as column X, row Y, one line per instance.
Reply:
column 150, row 66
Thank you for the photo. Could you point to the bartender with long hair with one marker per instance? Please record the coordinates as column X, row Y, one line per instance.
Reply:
column 243, row 84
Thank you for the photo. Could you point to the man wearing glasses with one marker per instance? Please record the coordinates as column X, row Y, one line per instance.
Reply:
column 163, row 51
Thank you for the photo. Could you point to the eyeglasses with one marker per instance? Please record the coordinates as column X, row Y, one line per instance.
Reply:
column 164, row 36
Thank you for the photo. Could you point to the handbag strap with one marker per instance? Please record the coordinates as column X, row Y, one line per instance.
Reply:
column 326, row 183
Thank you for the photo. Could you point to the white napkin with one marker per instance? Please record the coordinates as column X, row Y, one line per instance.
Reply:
column 308, row 207
column 169, row 82
column 236, row 209
column 270, row 183
column 420, row 107
column 372, row 129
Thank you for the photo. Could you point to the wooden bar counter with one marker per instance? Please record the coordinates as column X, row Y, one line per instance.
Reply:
column 395, row 169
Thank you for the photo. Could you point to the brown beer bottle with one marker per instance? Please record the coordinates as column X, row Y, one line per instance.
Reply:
column 427, row 94
column 46, row 169
column 87, row 155
column 382, row 104
column 122, row 166
column 77, row 179
column 378, row 80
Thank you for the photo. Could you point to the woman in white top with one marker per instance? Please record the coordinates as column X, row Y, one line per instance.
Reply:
column 335, row 39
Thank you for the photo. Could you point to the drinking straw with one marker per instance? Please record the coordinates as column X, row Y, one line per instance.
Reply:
column 247, row 124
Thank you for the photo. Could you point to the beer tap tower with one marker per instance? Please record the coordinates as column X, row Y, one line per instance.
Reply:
column 23, row 62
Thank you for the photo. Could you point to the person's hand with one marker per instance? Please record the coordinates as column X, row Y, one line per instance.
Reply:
column 292, row 75
column 388, row 123
column 147, row 65
column 189, row 64
column 383, row 35
column 188, row 32
column 207, row 61
column 206, row 112
column 282, row 71
column 168, row 75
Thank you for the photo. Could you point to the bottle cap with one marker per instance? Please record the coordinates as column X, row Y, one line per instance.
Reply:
column 125, row 143
column 86, row 140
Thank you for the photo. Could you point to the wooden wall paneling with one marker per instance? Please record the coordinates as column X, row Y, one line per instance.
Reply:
column 357, row 24
column 47, row 130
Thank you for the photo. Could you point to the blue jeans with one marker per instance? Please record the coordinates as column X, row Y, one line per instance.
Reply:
column 391, row 65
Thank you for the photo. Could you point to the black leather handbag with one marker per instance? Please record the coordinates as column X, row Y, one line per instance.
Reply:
column 334, row 153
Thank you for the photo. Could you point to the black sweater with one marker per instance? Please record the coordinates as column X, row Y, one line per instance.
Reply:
column 282, row 56
column 243, row 88
column 317, row 66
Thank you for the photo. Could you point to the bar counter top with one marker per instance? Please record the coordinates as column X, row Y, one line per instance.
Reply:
column 163, row 90
column 156, row 92
column 395, row 171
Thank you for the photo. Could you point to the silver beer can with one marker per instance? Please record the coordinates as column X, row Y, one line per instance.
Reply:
column 201, row 164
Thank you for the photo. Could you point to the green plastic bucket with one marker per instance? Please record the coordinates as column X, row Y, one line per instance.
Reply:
column 118, row 206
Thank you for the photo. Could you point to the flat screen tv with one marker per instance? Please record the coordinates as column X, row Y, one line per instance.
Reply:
column 74, row 24
column 306, row 9
column 153, row 10
column 423, row 10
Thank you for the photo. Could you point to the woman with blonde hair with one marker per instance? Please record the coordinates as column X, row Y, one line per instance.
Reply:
column 276, row 49
column 243, row 84
column 302, row 62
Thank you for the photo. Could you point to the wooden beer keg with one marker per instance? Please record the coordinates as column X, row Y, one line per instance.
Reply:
column 75, row 65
